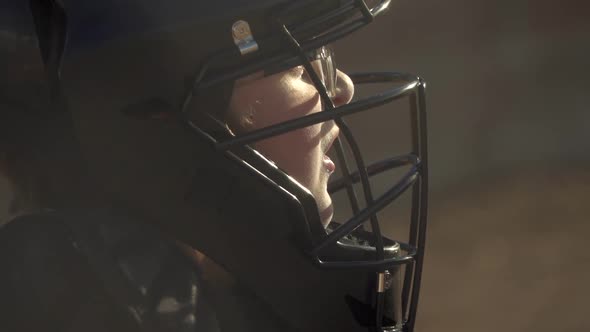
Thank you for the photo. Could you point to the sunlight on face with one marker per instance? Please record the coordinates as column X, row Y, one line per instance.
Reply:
column 258, row 102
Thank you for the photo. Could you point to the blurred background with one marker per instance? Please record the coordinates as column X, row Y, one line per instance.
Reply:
column 509, row 135
column 509, row 131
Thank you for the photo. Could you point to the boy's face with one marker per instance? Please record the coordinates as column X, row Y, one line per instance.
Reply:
column 258, row 102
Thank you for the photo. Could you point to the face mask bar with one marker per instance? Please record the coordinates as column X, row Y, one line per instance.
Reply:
column 416, row 179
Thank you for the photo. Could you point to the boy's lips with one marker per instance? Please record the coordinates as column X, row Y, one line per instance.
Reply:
column 329, row 164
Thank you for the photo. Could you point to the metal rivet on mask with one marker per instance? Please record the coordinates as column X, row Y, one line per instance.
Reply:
column 243, row 37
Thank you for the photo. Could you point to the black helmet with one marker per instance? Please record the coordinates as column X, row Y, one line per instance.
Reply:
column 147, row 84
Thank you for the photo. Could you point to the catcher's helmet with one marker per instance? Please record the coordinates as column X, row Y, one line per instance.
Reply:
column 147, row 84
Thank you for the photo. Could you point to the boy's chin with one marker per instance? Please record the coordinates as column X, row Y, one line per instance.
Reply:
column 327, row 214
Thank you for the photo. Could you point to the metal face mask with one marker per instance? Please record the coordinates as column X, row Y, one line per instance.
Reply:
column 355, row 244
